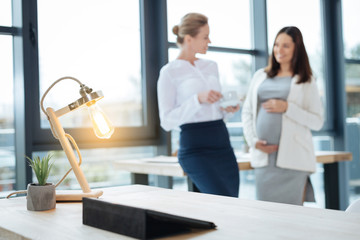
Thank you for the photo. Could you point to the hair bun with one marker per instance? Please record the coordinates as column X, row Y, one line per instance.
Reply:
column 176, row 30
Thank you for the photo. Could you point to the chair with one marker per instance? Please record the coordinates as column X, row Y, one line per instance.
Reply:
column 354, row 207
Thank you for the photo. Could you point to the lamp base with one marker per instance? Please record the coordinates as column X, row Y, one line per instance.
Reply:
column 76, row 196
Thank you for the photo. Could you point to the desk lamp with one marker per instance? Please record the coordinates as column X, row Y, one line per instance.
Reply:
column 102, row 127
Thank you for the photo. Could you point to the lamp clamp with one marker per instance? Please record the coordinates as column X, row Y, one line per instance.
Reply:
column 84, row 90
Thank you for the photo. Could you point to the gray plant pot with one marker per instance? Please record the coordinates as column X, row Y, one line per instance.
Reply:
column 41, row 198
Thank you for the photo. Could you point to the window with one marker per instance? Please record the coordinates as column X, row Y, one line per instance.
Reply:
column 351, row 20
column 97, row 42
column 351, row 35
column 7, row 126
column 352, row 55
column 229, row 20
column 352, row 74
column 5, row 13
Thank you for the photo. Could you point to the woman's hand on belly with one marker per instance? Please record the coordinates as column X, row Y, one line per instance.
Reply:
column 275, row 105
column 262, row 146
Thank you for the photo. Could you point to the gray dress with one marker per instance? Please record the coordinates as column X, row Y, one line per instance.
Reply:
column 273, row 183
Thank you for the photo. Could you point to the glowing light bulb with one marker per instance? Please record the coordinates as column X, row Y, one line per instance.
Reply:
column 102, row 126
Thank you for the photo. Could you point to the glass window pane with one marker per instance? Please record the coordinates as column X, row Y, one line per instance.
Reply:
column 5, row 13
column 229, row 20
column 351, row 20
column 7, row 131
column 352, row 72
column 306, row 16
column 351, row 34
column 97, row 42
column 98, row 165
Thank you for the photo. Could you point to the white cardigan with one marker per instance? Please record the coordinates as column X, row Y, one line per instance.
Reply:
column 304, row 113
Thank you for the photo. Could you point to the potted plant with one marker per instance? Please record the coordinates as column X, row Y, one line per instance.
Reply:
column 41, row 196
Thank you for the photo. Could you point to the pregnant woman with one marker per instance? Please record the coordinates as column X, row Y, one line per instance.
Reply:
column 282, row 107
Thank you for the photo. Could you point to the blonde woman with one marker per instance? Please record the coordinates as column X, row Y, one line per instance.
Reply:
column 188, row 95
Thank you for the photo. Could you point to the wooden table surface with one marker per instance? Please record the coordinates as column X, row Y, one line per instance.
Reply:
column 235, row 218
column 169, row 166
column 165, row 167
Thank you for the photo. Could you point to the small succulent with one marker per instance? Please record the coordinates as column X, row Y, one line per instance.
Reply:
column 41, row 167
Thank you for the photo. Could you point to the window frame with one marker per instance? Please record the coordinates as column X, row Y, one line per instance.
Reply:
column 148, row 134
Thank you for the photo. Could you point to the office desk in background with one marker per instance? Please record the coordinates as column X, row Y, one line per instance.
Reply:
column 235, row 218
column 168, row 167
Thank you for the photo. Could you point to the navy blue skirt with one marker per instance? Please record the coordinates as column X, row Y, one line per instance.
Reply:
column 207, row 157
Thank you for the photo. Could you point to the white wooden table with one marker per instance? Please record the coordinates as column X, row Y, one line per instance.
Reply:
column 235, row 218
column 168, row 167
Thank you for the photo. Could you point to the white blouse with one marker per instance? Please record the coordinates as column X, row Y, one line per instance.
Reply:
column 178, row 86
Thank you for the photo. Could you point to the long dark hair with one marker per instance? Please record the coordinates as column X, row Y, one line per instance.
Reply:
column 300, row 62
